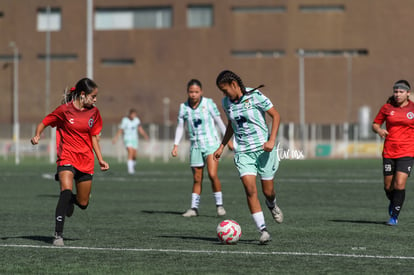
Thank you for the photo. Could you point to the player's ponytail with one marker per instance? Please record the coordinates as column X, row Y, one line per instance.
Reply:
column 85, row 85
column 252, row 90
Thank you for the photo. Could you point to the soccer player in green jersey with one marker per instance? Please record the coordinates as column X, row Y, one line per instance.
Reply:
column 202, row 116
column 254, row 146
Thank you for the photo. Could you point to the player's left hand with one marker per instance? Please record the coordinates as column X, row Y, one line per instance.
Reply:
column 104, row 165
column 217, row 153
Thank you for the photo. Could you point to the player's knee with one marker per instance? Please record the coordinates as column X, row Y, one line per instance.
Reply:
column 213, row 177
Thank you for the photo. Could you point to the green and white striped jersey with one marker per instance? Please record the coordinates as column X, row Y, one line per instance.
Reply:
column 247, row 117
column 130, row 128
column 200, row 122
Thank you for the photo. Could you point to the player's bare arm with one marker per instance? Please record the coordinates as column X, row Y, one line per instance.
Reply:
column 377, row 129
column 270, row 144
column 97, row 148
column 228, row 134
column 39, row 130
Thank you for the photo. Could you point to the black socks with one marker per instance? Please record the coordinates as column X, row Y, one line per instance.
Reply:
column 397, row 202
column 389, row 194
column 64, row 200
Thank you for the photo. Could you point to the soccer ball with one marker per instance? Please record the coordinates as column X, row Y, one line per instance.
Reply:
column 229, row 232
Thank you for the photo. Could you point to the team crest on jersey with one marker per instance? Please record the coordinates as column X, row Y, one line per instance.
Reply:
column 410, row 115
column 392, row 113
column 247, row 104
column 90, row 122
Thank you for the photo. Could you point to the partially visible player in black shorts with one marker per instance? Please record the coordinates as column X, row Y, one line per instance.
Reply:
column 398, row 153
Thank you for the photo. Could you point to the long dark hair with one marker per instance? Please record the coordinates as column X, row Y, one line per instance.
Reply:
column 399, row 84
column 228, row 77
column 85, row 85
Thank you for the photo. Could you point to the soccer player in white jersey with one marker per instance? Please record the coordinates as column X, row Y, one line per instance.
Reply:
column 202, row 116
column 130, row 127
column 254, row 146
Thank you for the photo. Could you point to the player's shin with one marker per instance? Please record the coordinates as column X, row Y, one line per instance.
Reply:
column 398, row 201
column 60, row 213
column 258, row 219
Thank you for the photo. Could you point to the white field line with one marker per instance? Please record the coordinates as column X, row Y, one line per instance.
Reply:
column 185, row 251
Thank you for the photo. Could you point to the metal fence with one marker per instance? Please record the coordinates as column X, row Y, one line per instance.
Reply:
column 315, row 141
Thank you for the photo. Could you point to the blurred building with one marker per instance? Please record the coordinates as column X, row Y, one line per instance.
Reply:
column 146, row 50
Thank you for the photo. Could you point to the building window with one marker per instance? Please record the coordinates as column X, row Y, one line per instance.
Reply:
column 118, row 61
column 322, row 8
column 260, row 9
column 199, row 16
column 334, row 52
column 258, row 54
column 9, row 57
column 49, row 21
column 59, row 57
column 133, row 18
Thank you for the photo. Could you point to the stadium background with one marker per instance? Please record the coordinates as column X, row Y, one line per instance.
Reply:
column 145, row 51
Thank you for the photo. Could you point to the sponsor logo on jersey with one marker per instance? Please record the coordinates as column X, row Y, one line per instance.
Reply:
column 71, row 120
column 392, row 113
column 410, row 115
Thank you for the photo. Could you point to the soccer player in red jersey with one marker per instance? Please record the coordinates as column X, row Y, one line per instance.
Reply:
column 398, row 153
column 78, row 124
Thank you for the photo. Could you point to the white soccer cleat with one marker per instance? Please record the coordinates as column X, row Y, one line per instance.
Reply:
column 58, row 240
column 221, row 211
column 277, row 214
column 264, row 237
column 191, row 213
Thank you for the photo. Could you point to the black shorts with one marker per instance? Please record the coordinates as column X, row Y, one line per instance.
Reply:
column 77, row 175
column 391, row 166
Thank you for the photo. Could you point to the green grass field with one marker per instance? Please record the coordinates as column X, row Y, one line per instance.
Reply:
column 334, row 223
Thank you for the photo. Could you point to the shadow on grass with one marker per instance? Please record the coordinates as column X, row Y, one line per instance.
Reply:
column 172, row 213
column 48, row 196
column 45, row 239
column 206, row 239
column 161, row 212
column 360, row 222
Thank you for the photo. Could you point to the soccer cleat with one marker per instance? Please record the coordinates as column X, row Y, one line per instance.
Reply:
column 58, row 240
column 221, row 211
column 277, row 214
column 264, row 237
column 192, row 212
column 393, row 221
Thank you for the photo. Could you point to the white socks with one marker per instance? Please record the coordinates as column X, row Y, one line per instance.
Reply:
column 218, row 197
column 131, row 166
column 258, row 218
column 195, row 200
